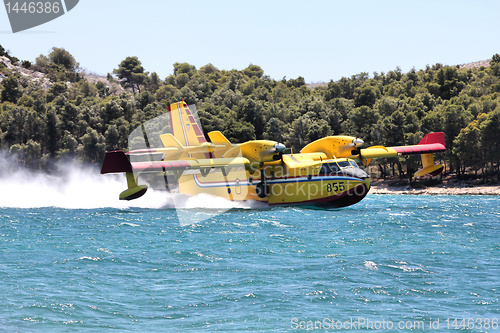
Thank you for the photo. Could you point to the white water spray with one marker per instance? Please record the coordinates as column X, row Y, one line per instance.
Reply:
column 73, row 186
column 77, row 186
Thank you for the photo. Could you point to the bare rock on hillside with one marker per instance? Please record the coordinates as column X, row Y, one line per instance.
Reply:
column 477, row 64
column 28, row 74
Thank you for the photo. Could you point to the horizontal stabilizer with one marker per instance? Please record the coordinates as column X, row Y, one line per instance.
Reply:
column 115, row 161
column 217, row 137
column 169, row 140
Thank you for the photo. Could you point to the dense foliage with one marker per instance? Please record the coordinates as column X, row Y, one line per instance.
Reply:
column 72, row 117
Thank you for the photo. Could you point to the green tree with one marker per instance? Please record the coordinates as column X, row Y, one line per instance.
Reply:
column 56, row 90
column 93, row 146
column 396, row 129
column 60, row 56
column 52, row 135
column 131, row 72
column 297, row 83
column 299, row 131
column 451, row 82
column 253, row 71
column 275, row 130
column 153, row 82
column 387, row 105
column 166, row 92
column 11, row 92
column 490, row 138
column 32, row 154
column 184, row 68
column 111, row 111
column 495, row 59
column 317, row 130
column 454, row 118
column 432, row 122
column 365, row 95
column 112, row 137
column 361, row 122
column 102, row 89
column 59, row 65
column 208, row 69
column 69, row 145
column 467, row 144
column 181, row 80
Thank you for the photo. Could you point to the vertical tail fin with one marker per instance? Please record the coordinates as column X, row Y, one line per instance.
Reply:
column 428, row 167
column 184, row 125
column 431, row 138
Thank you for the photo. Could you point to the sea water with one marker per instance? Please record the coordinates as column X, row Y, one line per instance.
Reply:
column 387, row 264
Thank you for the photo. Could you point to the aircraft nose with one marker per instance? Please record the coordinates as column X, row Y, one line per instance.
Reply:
column 355, row 172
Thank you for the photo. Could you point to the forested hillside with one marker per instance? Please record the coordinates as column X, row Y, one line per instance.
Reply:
column 51, row 109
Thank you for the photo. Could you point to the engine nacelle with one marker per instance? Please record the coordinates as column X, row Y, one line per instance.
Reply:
column 334, row 146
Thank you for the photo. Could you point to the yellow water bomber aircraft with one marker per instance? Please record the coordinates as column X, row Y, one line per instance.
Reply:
column 171, row 152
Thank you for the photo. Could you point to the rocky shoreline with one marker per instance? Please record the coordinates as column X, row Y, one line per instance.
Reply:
column 449, row 188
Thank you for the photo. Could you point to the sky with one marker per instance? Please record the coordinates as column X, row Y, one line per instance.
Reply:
column 320, row 40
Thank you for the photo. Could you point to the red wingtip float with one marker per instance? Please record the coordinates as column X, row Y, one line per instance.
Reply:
column 325, row 172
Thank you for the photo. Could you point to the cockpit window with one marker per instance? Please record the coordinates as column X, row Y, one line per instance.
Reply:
column 334, row 167
column 344, row 164
column 329, row 168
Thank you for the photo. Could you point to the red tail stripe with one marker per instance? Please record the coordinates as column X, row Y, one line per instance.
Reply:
column 420, row 149
column 437, row 137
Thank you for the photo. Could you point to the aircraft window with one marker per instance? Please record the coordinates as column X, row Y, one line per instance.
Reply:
column 354, row 164
column 325, row 169
column 328, row 168
column 344, row 164
column 334, row 167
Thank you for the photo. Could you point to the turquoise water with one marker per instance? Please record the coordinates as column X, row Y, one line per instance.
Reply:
column 389, row 259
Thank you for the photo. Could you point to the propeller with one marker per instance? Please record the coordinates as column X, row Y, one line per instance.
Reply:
column 357, row 142
column 279, row 147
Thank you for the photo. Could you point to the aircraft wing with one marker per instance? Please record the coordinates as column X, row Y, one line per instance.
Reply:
column 117, row 161
column 349, row 147
column 431, row 143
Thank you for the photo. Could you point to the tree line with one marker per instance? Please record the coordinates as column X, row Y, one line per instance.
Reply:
column 68, row 116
